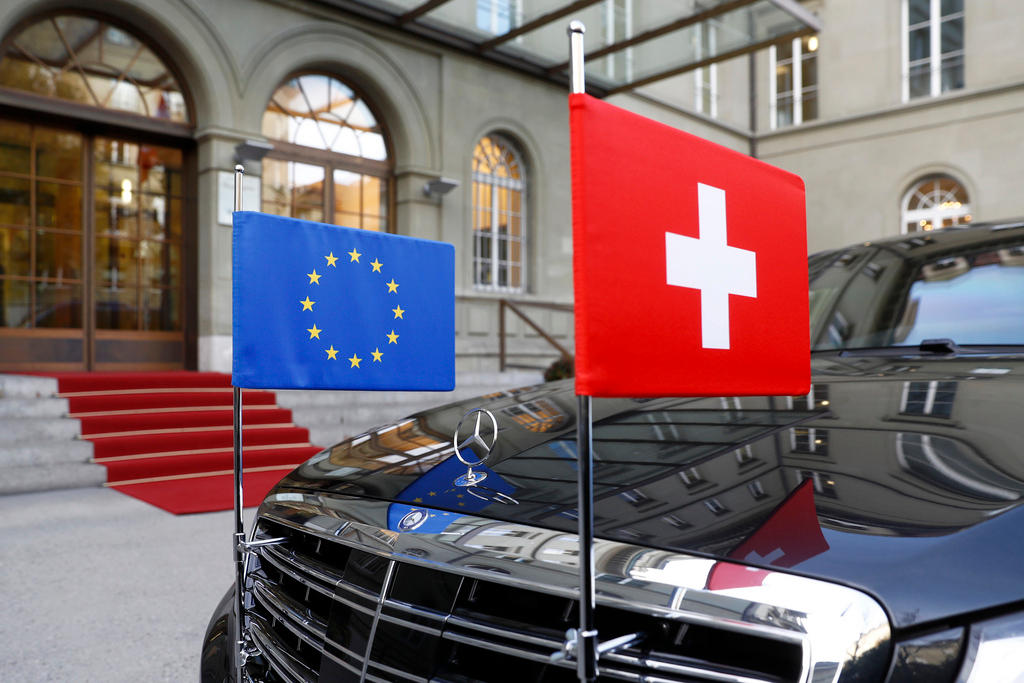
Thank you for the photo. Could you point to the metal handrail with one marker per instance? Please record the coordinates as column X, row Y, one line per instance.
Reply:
column 514, row 306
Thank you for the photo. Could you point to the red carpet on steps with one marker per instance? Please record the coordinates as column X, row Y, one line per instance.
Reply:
column 166, row 437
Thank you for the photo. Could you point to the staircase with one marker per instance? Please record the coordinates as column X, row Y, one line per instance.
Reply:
column 39, row 445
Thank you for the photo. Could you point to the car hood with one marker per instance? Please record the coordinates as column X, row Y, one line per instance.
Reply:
column 901, row 477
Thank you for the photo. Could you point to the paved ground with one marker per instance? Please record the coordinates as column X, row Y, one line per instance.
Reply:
column 98, row 586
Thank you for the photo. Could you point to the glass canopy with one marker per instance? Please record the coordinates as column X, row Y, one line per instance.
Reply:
column 629, row 43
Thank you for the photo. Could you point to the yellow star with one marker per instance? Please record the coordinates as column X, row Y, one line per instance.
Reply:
column 392, row 338
column 462, row 505
column 332, row 353
column 376, row 355
column 355, row 255
column 354, row 360
column 392, row 286
column 331, row 258
column 417, row 500
column 432, row 494
column 397, row 311
column 307, row 305
column 314, row 277
column 376, row 265
column 314, row 332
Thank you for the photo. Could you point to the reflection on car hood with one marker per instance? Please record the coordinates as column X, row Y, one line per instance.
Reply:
column 914, row 465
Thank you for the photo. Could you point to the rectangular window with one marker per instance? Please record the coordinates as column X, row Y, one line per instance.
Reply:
column 793, row 86
column 934, row 399
column 933, row 47
column 498, row 16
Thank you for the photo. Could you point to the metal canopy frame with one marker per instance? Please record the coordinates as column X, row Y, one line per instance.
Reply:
column 420, row 19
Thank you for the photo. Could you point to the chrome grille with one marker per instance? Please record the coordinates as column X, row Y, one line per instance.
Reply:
column 316, row 607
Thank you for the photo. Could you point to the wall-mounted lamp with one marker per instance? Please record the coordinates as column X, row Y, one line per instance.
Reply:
column 435, row 188
column 251, row 150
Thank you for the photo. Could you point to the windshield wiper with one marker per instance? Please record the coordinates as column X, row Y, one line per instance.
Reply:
column 942, row 347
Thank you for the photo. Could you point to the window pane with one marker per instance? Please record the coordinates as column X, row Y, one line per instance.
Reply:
column 59, row 206
column 783, row 78
column 159, row 216
column 15, row 301
column 15, row 200
column 784, row 51
column 159, row 169
column 58, row 255
column 920, row 43
column 14, row 251
column 116, row 262
column 116, row 309
column 919, row 10
column 58, row 154
column 784, row 111
column 951, row 6
column 161, row 310
column 347, row 197
column 58, row 305
column 952, row 73
column 809, row 105
column 952, row 35
column 809, row 71
column 920, row 80
column 160, row 263
column 15, row 143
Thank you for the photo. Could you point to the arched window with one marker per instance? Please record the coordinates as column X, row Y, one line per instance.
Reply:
column 89, row 61
column 935, row 202
column 499, row 239
column 330, row 158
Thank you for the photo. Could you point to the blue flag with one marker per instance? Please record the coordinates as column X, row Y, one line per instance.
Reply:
column 318, row 306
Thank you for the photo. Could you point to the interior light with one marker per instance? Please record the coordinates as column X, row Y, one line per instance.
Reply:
column 126, row 191
column 812, row 43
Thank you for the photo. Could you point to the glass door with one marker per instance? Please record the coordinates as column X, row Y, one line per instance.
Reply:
column 91, row 242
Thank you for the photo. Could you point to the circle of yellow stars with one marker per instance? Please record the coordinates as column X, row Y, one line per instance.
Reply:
column 314, row 331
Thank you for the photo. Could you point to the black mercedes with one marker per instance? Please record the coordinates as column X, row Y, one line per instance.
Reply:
column 871, row 530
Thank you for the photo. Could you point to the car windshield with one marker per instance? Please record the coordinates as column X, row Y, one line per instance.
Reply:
column 903, row 293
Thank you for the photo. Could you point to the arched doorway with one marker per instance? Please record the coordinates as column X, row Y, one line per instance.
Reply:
column 96, row 200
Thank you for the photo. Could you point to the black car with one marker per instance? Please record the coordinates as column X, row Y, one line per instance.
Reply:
column 871, row 530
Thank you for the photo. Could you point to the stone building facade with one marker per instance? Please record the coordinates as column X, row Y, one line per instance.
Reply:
column 118, row 255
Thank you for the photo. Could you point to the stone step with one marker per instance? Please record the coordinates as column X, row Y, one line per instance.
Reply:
column 33, row 407
column 27, row 386
column 51, row 477
column 35, row 429
column 33, row 453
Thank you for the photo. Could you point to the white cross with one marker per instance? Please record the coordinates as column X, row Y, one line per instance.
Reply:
column 712, row 266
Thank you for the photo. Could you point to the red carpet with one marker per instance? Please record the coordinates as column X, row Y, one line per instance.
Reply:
column 166, row 437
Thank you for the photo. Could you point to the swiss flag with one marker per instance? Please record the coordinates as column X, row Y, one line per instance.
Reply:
column 690, row 263
column 790, row 535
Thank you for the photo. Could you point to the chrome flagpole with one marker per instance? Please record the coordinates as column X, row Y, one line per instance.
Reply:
column 586, row 636
column 239, row 536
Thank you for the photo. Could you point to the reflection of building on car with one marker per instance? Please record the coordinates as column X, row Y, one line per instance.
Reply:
column 866, row 531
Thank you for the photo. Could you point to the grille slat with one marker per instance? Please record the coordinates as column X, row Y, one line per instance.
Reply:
column 292, row 614
column 448, row 626
column 277, row 654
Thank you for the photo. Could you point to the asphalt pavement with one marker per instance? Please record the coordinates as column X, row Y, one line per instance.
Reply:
column 98, row 586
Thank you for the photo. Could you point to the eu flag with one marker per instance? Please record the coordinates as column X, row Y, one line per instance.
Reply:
column 318, row 306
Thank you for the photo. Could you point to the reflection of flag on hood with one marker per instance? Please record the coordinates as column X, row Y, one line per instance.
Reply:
column 790, row 535
column 436, row 489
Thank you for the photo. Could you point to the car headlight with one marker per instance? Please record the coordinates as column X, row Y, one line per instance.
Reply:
column 993, row 651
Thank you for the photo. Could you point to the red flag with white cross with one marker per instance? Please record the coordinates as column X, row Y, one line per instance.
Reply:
column 690, row 263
